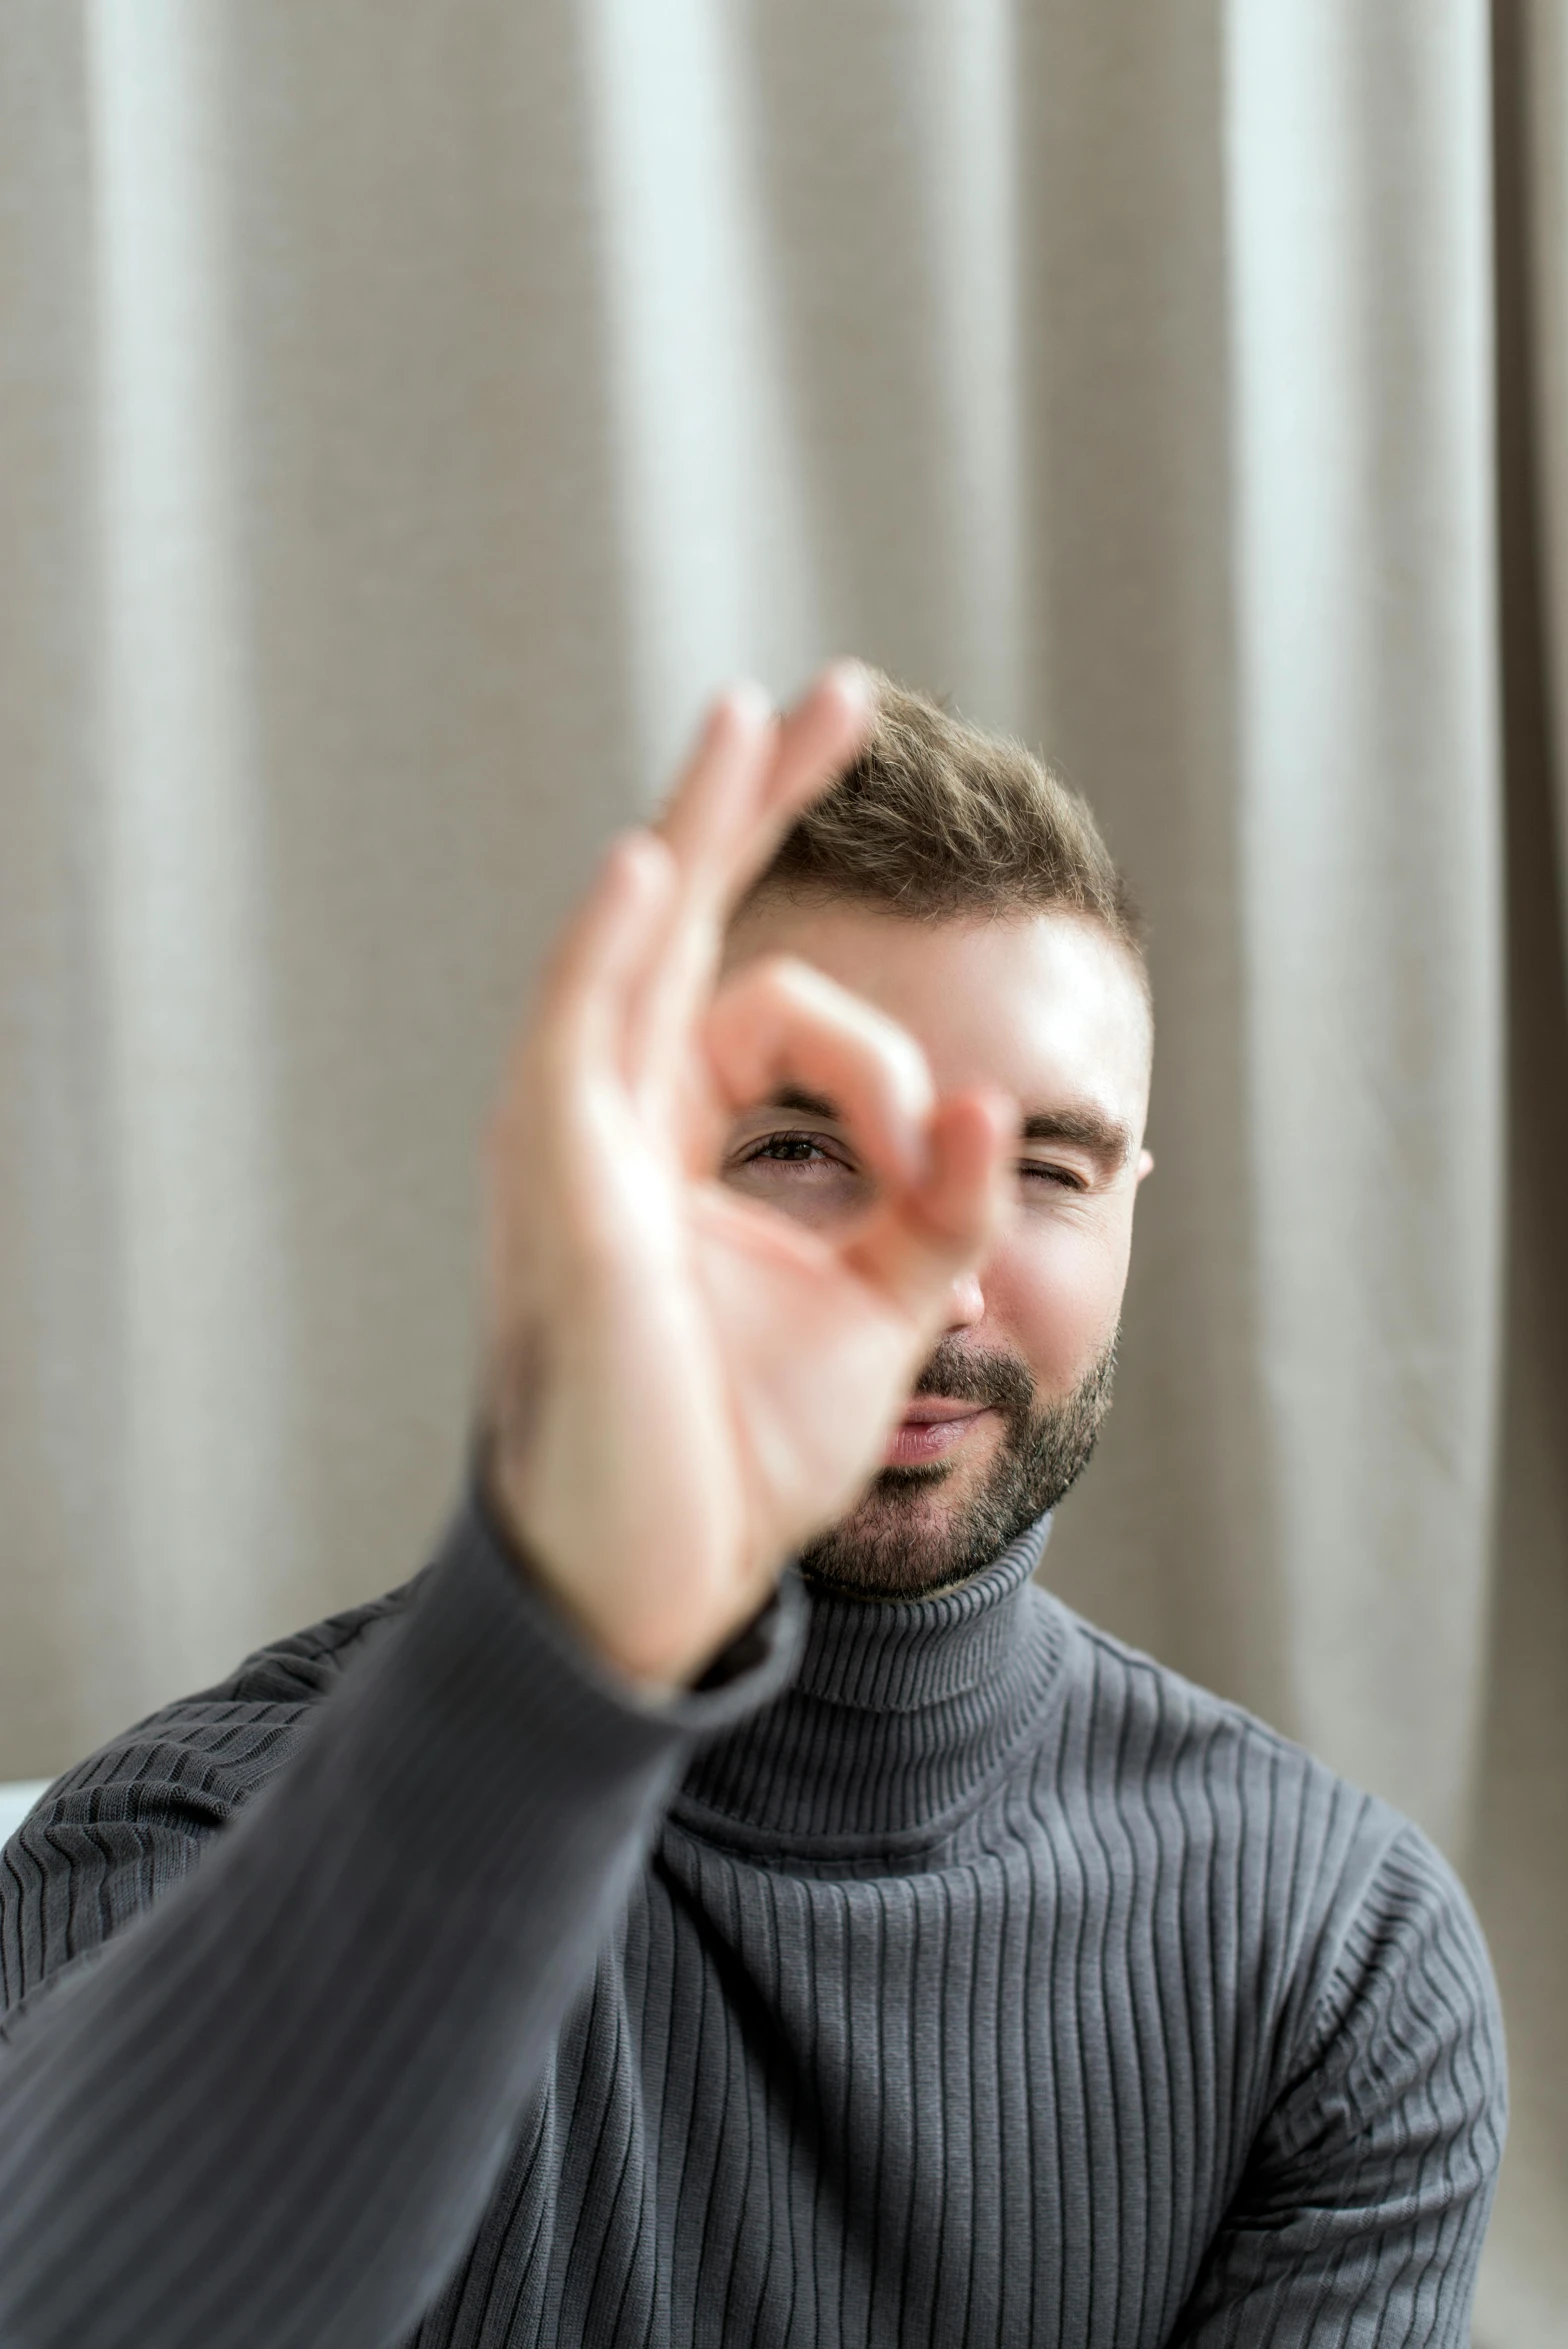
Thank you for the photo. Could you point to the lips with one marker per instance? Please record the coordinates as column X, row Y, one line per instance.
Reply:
column 931, row 1429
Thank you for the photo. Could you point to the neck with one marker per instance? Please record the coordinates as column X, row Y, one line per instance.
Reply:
column 901, row 1716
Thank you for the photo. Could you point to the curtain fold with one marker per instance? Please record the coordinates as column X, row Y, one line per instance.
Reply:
column 1518, row 1870
column 405, row 418
column 1366, row 789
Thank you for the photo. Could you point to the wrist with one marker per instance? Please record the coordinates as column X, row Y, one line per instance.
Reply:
column 654, row 1675
column 761, row 1646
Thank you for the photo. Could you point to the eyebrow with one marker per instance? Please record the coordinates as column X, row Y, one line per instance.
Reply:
column 1104, row 1139
column 804, row 1104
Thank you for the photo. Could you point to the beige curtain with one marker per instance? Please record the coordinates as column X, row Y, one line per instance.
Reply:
column 407, row 414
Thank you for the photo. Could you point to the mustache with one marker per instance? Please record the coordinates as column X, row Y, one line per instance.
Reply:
column 996, row 1380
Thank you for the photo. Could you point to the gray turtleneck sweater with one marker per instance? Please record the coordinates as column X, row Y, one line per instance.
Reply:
column 938, row 1973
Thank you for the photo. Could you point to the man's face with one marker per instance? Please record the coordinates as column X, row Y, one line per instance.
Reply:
column 1004, row 1413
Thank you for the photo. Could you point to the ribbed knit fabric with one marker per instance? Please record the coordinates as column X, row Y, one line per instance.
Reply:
column 956, row 1976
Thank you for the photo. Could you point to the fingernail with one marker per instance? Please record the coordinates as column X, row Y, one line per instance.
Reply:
column 852, row 679
column 750, row 702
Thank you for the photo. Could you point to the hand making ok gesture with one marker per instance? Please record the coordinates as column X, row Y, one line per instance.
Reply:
column 682, row 1384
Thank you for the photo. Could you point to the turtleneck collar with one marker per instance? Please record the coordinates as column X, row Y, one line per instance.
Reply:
column 900, row 1717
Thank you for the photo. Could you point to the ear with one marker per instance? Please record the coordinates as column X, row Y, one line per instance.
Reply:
column 1145, row 1164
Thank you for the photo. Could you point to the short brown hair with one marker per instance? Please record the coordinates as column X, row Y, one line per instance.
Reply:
column 937, row 818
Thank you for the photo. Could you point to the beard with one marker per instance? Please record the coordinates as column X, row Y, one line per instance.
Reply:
column 898, row 1542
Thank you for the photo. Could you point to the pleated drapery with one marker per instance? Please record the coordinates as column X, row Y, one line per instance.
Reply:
column 406, row 417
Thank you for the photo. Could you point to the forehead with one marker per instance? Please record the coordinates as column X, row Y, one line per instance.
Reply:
column 1047, row 1005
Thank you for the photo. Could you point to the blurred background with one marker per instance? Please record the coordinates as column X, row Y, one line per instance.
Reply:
column 408, row 415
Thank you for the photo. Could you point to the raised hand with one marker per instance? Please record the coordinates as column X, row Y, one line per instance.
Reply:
column 681, row 1384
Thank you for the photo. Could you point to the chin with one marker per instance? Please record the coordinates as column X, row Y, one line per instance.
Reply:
column 920, row 1530
column 907, row 1538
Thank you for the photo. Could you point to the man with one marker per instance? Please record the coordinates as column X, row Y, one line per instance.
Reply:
column 624, row 1938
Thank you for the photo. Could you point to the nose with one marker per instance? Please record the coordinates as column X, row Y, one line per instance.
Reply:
column 965, row 1302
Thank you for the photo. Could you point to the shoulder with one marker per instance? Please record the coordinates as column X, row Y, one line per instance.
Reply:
column 1338, row 1910
column 1142, row 1721
column 305, row 1664
column 122, row 1825
column 233, row 1734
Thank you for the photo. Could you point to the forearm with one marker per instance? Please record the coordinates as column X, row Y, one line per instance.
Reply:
column 273, row 2108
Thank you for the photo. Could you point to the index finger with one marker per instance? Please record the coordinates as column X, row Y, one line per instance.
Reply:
column 745, row 786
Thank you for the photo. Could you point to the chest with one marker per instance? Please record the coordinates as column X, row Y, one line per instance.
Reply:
column 988, row 2103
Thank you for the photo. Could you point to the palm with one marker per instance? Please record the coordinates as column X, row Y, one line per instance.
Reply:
column 808, row 1417
column 786, row 1362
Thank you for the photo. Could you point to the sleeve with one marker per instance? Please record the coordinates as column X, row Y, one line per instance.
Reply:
column 270, row 2106
column 1360, row 2215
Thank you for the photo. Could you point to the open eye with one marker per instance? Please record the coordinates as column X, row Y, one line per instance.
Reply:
column 788, row 1150
column 792, row 1157
column 809, row 1175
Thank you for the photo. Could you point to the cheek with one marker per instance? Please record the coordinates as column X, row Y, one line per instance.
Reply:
column 1053, row 1296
